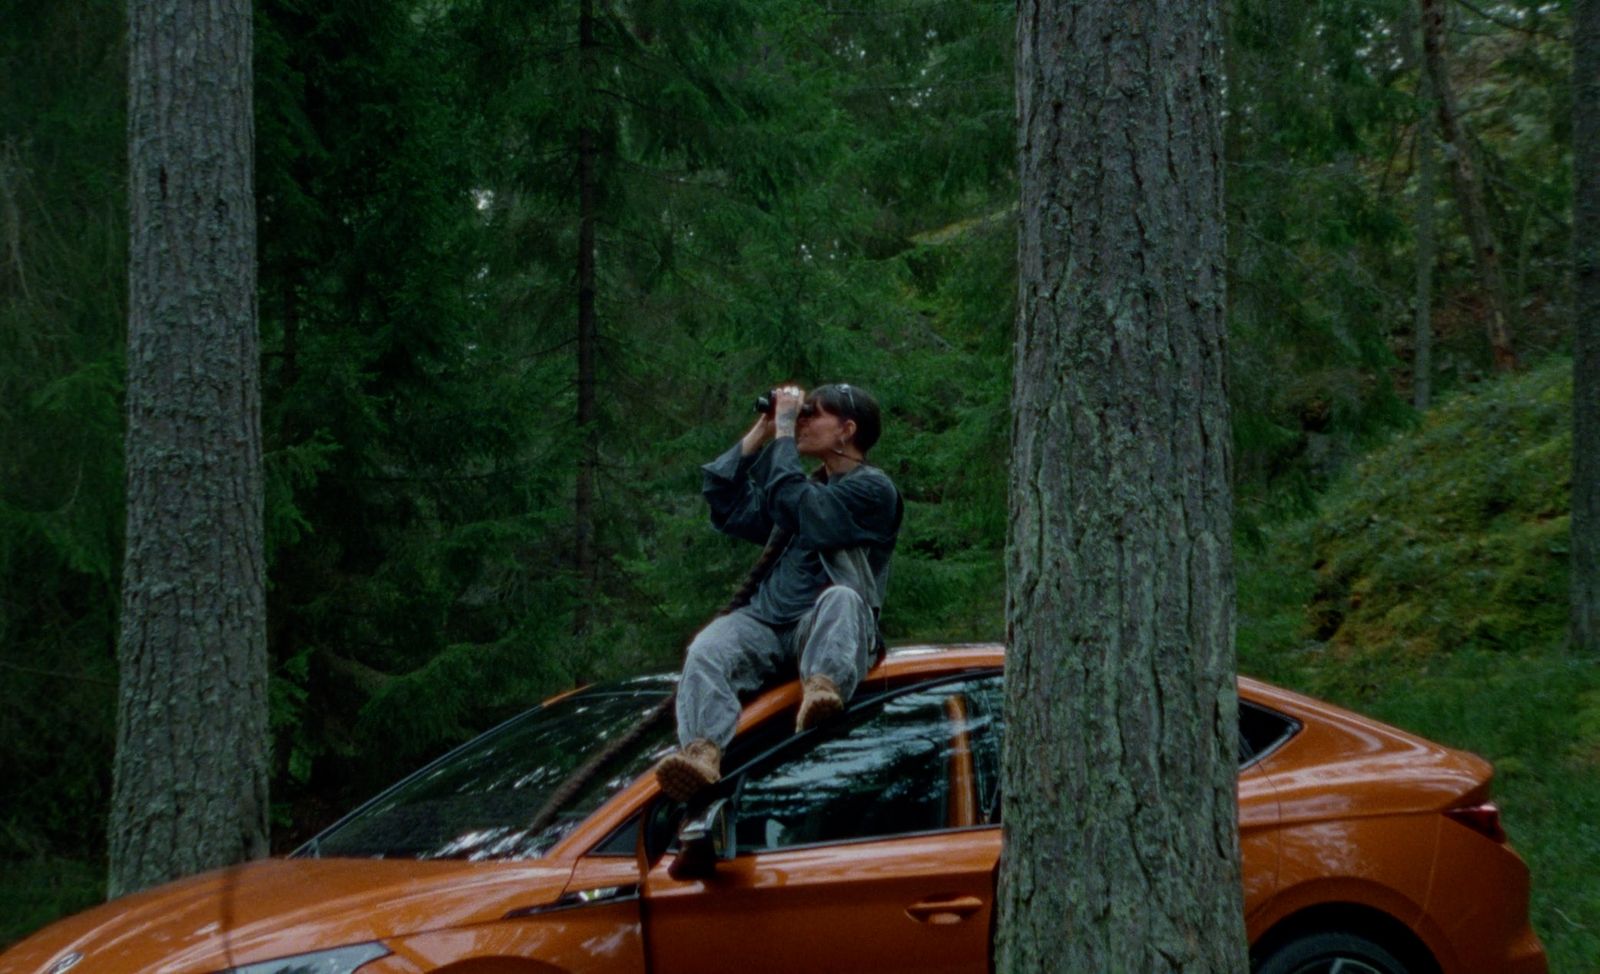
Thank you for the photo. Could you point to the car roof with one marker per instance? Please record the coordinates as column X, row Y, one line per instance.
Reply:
column 1342, row 733
column 934, row 658
column 915, row 658
column 910, row 660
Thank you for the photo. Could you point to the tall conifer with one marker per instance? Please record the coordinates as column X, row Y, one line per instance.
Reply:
column 1466, row 170
column 1120, row 766
column 191, row 766
column 1585, row 632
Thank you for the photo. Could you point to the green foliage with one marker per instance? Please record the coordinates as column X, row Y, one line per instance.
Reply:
column 930, row 106
column 1515, row 92
column 1316, row 116
column 951, row 447
column 404, row 504
column 1321, row 147
column 62, row 244
column 1429, row 590
column 1470, row 509
column 755, row 227
column 784, row 190
column 38, row 890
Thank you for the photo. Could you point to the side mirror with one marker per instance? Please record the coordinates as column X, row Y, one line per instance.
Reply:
column 705, row 838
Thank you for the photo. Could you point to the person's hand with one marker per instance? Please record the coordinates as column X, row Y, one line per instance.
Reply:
column 786, row 402
column 759, row 434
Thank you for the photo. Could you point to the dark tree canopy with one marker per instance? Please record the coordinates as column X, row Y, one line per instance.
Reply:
column 780, row 190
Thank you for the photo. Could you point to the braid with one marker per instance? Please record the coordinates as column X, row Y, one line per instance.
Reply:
column 581, row 776
column 776, row 543
column 758, row 573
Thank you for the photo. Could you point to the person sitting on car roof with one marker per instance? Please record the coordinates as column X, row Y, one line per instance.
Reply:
column 812, row 600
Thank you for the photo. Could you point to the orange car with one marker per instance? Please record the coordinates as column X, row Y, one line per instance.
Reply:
column 867, row 844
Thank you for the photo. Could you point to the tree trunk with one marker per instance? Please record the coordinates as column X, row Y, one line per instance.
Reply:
column 588, row 334
column 1427, row 248
column 1468, row 187
column 1586, row 328
column 190, row 779
column 1121, row 841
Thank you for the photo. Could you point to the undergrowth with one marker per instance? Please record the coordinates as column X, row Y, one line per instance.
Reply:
column 1429, row 590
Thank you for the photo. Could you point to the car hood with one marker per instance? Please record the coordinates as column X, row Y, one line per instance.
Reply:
column 279, row 907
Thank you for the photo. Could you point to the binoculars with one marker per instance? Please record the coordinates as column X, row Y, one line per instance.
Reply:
column 764, row 404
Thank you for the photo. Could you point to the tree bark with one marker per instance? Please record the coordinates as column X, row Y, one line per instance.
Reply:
column 190, row 775
column 584, row 561
column 1427, row 248
column 1586, row 328
column 1121, row 842
column 1468, row 187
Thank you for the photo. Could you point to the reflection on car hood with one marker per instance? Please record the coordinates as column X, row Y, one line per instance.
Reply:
column 280, row 907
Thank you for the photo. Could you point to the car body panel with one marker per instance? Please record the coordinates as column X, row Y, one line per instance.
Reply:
column 1477, row 934
column 593, row 937
column 1346, row 811
column 267, row 909
column 1381, row 769
column 1381, row 863
column 1259, row 852
column 1378, row 840
column 910, row 903
column 605, row 888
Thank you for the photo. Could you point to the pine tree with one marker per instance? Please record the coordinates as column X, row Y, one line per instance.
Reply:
column 651, row 259
column 1426, row 245
column 407, row 497
column 1585, row 625
column 1317, row 104
column 1466, row 173
column 63, row 260
column 1120, row 753
column 191, row 765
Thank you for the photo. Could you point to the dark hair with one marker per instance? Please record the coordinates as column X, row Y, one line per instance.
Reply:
column 852, row 402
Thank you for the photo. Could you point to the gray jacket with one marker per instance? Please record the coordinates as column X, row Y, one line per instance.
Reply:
column 851, row 520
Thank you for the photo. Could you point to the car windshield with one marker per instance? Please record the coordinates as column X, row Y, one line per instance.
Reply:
column 479, row 801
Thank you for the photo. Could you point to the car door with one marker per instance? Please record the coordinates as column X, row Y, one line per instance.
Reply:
column 862, row 847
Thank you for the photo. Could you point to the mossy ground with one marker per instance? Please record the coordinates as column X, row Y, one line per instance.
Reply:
column 1430, row 590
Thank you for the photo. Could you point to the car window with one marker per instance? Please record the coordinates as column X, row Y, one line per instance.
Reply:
column 479, row 801
column 1260, row 732
column 903, row 765
column 988, row 728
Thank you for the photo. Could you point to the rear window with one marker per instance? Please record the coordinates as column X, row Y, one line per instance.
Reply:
column 1261, row 731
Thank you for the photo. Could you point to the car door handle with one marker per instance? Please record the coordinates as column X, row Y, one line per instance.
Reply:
column 946, row 911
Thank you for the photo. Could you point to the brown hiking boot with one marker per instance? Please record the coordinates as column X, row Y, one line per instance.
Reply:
column 690, row 770
column 821, row 701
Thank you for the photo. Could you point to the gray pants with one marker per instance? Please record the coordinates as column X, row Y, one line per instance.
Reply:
column 738, row 653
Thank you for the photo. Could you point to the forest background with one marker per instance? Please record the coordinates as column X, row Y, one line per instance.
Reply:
column 779, row 190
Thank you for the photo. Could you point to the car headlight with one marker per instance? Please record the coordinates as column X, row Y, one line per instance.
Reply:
column 339, row 960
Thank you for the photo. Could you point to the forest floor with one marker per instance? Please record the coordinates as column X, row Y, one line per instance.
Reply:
column 1427, row 589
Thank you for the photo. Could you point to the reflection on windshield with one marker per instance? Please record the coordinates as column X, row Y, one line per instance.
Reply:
column 890, row 774
column 478, row 802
